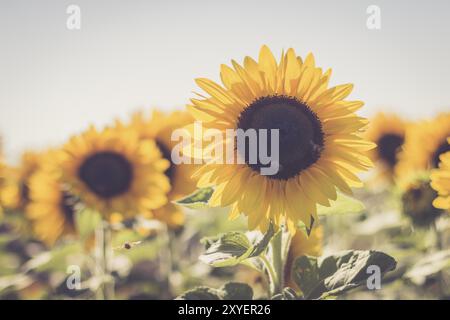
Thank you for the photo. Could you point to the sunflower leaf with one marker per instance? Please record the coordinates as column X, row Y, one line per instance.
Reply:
column 428, row 267
column 286, row 294
column 342, row 205
column 236, row 291
column 200, row 293
column 305, row 273
column 229, row 291
column 228, row 250
column 232, row 248
column 335, row 274
column 262, row 244
column 197, row 200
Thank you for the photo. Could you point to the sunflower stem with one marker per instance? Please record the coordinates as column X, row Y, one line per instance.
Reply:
column 104, row 257
column 275, row 262
column 272, row 277
column 439, row 247
column 166, row 259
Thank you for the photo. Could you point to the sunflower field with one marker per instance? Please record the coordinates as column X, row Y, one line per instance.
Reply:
column 146, row 208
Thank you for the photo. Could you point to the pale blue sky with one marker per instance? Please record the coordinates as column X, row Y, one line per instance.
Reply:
column 131, row 54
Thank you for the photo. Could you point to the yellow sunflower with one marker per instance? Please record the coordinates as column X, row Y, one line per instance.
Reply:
column 440, row 181
column 159, row 127
column 112, row 171
column 388, row 132
column 15, row 194
column 320, row 143
column 51, row 207
column 417, row 200
column 424, row 143
column 302, row 245
column 2, row 181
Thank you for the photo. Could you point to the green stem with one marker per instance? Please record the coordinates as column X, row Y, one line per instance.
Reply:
column 273, row 279
column 439, row 247
column 277, row 260
column 275, row 266
column 104, row 257
column 166, row 259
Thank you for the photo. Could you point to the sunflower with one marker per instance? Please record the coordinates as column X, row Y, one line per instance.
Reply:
column 51, row 207
column 112, row 171
column 2, row 181
column 417, row 201
column 424, row 143
column 320, row 143
column 302, row 245
column 15, row 193
column 159, row 127
column 440, row 181
column 388, row 132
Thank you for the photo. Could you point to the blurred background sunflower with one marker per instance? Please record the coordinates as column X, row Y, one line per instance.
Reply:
column 440, row 181
column 158, row 127
column 15, row 194
column 425, row 141
column 113, row 171
column 51, row 206
column 387, row 131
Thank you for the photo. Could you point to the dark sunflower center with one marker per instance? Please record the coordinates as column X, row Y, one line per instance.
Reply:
column 301, row 139
column 167, row 155
column 67, row 205
column 418, row 204
column 388, row 146
column 443, row 148
column 24, row 192
column 107, row 174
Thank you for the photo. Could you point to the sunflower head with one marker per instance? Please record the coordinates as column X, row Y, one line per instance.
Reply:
column 319, row 142
column 51, row 207
column 15, row 193
column 302, row 245
column 2, row 183
column 417, row 201
column 388, row 132
column 440, row 181
column 113, row 171
column 424, row 143
column 159, row 127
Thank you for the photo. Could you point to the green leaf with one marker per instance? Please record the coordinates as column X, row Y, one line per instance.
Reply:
column 343, row 204
column 234, row 247
column 305, row 274
column 53, row 260
column 287, row 294
column 86, row 221
column 229, row 291
column 197, row 200
column 428, row 267
column 236, row 291
column 335, row 274
column 200, row 293
column 260, row 245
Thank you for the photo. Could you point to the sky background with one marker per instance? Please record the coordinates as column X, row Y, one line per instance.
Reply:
column 140, row 54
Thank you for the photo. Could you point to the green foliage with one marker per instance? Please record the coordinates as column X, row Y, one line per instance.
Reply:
column 342, row 205
column 230, row 291
column 197, row 200
column 286, row 294
column 335, row 274
column 428, row 267
column 233, row 248
column 55, row 259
